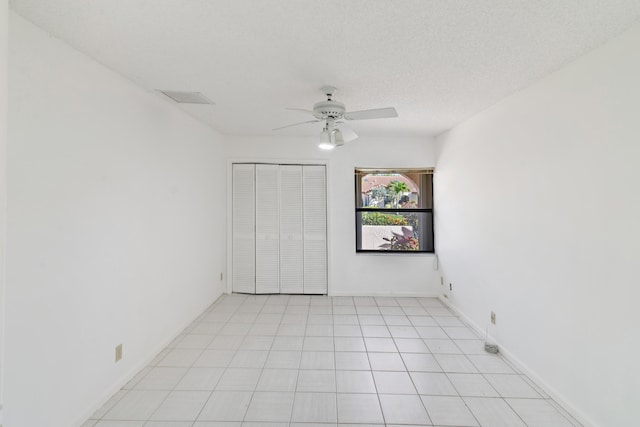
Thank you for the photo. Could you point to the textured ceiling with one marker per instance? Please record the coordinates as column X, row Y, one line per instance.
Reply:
column 438, row 62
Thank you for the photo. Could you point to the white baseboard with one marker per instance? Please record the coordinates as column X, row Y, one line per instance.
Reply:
column 385, row 294
column 560, row 400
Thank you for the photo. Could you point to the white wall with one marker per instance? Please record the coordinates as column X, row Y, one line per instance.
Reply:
column 3, row 183
column 116, row 228
column 538, row 203
column 351, row 273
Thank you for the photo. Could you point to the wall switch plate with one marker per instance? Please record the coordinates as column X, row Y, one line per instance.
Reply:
column 442, row 280
column 118, row 352
column 493, row 318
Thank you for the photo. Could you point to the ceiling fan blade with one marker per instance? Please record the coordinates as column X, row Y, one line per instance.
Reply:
column 296, row 124
column 347, row 133
column 379, row 113
column 302, row 110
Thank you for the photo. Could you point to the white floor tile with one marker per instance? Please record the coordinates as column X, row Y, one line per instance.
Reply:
column 471, row 346
column 386, row 362
column 400, row 320
column 315, row 408
column 180, row 357
column 448, row 411
column 391, row 311
column 538, row 413
column 256, row 342
column 318, row 344
column 273, row 361
column 181, row 405
column 249, row 359
column 316, row 381
column 355, row 382
column 347, row 331
column 420, row 362
column 393, row 382
column 136, row 405
column 320, row 319
column 345, row 319
column 472, row 385
column 492, row 411
column 195, row 341
column 409, row 345
column 384, row 345
column 490, row 364
column 438, row 346
column 270, row 407
column 455, row 363
column 239, row 379
column 235, row 329
column 226, row 342
column 414, row 311
column 422, row 321
column 278, row 380
column 433, row 383
column 371, row 320
column 200, row 379
column 375, row 331
column 359, row 408
column 263, row 329
column 512, row 386
column 161, row 378
column 403, row 409
column 107, row 423
column 461, row 333
column 431, row 332
column 283, row 360
column 314, row 330
column 349, row 344
column 214, row 359
column 318, row 360
column 168, row 424
column 403, row 332
column 226, row 406
column 352, row 361
column 368, row 309
column 292, row 329
column 287, row 343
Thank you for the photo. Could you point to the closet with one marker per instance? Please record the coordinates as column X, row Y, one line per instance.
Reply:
column 279, row 229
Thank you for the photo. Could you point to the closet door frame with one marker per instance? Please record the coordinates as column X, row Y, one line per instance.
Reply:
column 226, row 280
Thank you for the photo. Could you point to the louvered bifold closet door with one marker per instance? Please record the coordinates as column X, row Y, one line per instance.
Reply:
column 267, row 230
column 314, row 202
column 291, row 232
column 243, row 228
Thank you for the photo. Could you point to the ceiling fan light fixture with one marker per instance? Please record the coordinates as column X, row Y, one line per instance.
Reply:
column 325, row 140
column 338, row 140
column 326, row 146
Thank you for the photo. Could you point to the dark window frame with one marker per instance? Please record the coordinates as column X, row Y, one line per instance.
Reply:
column 427, row 232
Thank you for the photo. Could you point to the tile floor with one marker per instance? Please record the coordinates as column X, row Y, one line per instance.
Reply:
column 313, row 361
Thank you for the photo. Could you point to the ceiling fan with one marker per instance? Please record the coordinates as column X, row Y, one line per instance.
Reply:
column 333, row 113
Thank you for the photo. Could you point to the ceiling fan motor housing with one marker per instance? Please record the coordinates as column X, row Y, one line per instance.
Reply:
column 328, row 110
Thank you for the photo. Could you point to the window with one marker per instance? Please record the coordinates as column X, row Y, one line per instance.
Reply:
column 394, row 210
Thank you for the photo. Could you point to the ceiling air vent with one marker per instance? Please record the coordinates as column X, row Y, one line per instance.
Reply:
column 187, row 97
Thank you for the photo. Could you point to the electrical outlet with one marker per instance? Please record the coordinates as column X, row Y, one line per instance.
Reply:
column 221, row 276
column 493, row 318
column 450, row 287
column 118, row 352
